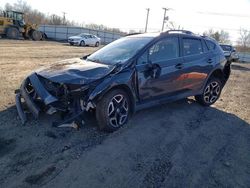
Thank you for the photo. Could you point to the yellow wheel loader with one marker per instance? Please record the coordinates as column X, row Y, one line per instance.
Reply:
column 12, row 25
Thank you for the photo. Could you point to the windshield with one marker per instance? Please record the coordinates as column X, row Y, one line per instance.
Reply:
column 226, row 47
column 120, row 50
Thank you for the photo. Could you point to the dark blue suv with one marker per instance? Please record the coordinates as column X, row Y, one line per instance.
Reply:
column 129, row 74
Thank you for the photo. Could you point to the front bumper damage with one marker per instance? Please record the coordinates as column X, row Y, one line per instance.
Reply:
column 37, row 99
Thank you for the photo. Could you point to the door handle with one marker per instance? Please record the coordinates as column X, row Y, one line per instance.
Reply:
column 179, row 66
column 210, row 61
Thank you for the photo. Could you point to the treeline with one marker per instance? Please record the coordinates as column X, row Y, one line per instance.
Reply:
column 242, row 43
column 36, row 17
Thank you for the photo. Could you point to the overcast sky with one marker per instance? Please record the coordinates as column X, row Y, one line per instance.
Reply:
column 195, row 15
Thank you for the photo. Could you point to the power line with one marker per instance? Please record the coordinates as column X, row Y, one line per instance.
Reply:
column 224, row 14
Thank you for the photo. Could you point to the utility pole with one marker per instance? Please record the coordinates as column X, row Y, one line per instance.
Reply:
column 146, row 27
column 64, row 18
column 164, row 18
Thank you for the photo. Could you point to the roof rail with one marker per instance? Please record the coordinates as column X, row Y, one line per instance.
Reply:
column 136, row 33
column 179, row 31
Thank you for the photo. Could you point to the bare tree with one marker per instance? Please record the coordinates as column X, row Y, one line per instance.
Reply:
column 8, row 6
column 244, row 39
column 173, row 26
column 36, row 17
column 224, row 37
column 220, row 36
column 22, row 6
column 55, row 20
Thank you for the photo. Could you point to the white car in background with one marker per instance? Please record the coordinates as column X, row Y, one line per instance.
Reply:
column 84, row 39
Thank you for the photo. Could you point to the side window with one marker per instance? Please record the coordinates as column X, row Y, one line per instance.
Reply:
column 192, row 46
column 205, row 48
column 211, row 45
column 164, row 50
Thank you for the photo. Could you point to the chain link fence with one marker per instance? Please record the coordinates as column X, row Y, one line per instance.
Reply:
column 61, row 33
column 244, row 57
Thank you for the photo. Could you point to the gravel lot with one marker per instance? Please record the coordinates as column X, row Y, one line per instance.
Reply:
column 180, row 144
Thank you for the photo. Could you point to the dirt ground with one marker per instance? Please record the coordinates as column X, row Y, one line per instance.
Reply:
column 180, row 144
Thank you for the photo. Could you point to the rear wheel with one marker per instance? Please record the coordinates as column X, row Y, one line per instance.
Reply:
column 211, row 92
column 82, row 43
column 113, row 111
column 12, row 33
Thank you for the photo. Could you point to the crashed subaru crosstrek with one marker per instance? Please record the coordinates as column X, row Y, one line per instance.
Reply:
column 129, row 74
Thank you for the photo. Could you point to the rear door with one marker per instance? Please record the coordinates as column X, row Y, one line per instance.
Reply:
column 93, row 40
column 87, row 39
column 198, row 62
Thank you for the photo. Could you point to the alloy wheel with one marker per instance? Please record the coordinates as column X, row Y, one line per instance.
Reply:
column 118, row 110
column 212, row 92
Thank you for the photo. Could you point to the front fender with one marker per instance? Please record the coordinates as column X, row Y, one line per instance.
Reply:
column 124, row 79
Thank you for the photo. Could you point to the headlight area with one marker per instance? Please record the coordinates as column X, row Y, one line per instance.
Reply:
column 69, row 96
column 42, row 95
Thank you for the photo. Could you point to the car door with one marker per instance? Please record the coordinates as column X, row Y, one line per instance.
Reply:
column 87, row 39
column 91, row 40
column 159, row 70
column 198, row 62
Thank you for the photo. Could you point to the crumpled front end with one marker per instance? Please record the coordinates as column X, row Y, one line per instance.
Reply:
column 41, row 95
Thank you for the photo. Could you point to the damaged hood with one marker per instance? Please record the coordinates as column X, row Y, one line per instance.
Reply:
column 75, row 71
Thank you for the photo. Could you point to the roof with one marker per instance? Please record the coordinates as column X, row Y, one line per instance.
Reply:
column 168, row 32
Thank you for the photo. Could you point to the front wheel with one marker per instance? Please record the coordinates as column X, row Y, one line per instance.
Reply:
column 36, row 35
column 113, row 110
column 82, row 43
column 211, row 92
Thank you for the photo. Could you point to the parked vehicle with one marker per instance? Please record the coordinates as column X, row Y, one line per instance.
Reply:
column 230, row 52
column 84, row 39
column 12, row 26
column 127, row 75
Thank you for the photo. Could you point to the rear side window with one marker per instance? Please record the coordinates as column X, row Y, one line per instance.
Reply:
column 192, row 46
column 211, row 45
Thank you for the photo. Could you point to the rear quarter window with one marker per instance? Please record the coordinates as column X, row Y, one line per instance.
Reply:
column 210, row 45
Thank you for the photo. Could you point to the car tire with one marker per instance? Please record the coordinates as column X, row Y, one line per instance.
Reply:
column 82, row 43
column 211, row 92
column 113, row 110
column 97, row 44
